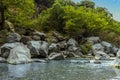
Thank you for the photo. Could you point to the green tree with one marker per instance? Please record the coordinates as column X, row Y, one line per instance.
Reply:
column 53, row 17
column 87, row 4
column 16, row 11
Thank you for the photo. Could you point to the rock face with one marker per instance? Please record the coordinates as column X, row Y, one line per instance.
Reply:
column 6, row 48
column 38, row 48
column 13, row 37
column 19, row 54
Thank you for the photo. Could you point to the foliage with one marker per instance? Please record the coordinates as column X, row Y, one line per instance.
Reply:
column 18, row 11
column 87, row 4
column 52, row 18
column 86, row 47
column 65, row 16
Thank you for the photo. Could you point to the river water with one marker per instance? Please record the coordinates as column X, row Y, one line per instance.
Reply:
column 75, row 69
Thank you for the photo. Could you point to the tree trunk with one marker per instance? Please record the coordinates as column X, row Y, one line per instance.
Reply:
column 2, row 15
column 2, row 19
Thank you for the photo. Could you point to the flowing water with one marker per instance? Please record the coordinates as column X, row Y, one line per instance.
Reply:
column 59, row 70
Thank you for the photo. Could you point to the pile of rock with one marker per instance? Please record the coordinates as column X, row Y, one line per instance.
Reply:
column 27, row 47
column 14, row 51
column 102, row 49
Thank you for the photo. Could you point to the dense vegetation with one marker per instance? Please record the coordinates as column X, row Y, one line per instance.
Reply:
column 64, row 16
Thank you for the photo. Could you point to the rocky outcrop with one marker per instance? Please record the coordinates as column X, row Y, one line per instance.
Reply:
column 6, row 48
column 52, row 46
column 38, row 48
column 19, row 54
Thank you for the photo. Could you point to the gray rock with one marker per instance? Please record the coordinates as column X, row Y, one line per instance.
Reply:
column 72, row 42
column 93, row 40
column 101, row 55
column 2, row 60
column 107, row 46
column 25, row 39
column 39, row 60
column 19, row 54
column 54, row 48
column 39, row 36
column 38, row 48
column 118, row 53
column 36, row 37
column 62, row 45
column 98, row 47
column 115, row 50
column 13, row 37
column 6, row 48
column 116, row 62
column 72, row 48
column 95, row 61
column 56, row 56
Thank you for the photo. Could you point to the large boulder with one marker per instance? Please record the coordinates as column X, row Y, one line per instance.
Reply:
column 6, row 48
column 19, row 54
column 13, row 37
column 101, row 55
column 38, row 48
column 97, row 47
column 93, row 40
column 56, row 56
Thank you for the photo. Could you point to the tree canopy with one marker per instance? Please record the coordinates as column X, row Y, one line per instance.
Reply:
column 64, row 16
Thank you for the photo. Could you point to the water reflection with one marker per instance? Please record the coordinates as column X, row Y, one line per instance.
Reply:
column 59, row 70
column 117, row 71
column 18, row 70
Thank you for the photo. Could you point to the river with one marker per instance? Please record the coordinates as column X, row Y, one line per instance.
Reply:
column 75, row 69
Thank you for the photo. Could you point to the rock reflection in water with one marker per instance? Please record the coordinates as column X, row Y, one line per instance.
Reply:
column 18, row 70
column 59, row 70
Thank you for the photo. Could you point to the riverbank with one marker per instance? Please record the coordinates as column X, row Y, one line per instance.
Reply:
column 31, row 45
